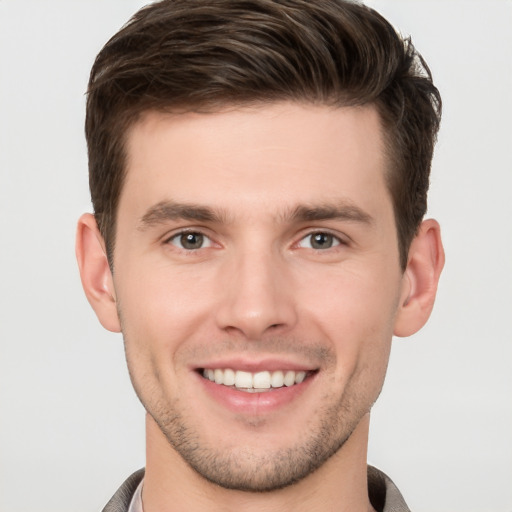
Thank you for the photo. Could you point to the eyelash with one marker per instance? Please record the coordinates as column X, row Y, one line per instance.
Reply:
column 182, row 234
column 332, row 239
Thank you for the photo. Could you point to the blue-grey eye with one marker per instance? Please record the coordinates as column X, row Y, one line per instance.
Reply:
column 319, row 240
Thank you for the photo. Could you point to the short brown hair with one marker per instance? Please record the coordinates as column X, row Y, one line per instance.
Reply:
column 202, row 55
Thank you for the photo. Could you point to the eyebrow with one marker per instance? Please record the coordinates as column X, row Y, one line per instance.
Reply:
column 165, row 211
column 169, row 210
column 343, row 210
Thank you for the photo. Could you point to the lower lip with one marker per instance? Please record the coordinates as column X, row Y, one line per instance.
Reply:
column 255, row 403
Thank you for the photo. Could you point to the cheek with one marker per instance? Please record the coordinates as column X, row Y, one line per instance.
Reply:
column 356, row 312
column 161, row 311
column 158, row 315
column 353, row 297
column 162, row 302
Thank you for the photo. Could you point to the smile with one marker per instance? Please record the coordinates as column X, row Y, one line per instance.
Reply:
column 254, row 382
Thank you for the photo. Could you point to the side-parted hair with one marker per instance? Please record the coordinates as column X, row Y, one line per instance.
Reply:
column 205, row 55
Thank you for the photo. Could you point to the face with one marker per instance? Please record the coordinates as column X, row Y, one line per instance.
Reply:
column 257, row 280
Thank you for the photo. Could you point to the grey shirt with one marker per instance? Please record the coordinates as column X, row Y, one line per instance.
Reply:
column 384, row 495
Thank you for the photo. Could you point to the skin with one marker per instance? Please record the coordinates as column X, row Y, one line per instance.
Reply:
column 258, row 184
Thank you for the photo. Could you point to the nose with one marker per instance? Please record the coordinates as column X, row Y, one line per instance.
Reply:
column 256, row 296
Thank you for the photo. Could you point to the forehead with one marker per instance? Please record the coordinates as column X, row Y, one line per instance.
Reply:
column 273, row 156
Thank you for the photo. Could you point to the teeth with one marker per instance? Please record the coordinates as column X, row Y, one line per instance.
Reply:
column 299, row 377
column 289, row 378
column 261, row 380
column 243, row 380
column 229, row 377
column 277, row 380
column 254, row 381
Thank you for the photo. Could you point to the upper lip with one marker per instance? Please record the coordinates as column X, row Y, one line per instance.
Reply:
column 255, row 365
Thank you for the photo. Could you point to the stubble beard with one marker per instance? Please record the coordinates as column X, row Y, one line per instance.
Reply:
column 241, row 469
column 261, row 471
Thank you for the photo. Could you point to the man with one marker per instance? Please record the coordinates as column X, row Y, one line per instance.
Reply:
column 259, row 172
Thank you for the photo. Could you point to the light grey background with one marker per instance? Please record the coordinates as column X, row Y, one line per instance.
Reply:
column 71, row 428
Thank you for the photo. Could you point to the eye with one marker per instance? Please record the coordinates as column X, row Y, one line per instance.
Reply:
column 190, row 241
column 319, row 240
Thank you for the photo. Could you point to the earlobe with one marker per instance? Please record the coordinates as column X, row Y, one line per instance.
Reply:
column 95, row 272
column 420, row 279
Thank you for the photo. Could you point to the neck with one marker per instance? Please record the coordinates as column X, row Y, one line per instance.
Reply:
column 339, row 484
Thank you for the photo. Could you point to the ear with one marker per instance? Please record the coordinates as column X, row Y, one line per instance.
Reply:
column 95, row 272
column 419, row 282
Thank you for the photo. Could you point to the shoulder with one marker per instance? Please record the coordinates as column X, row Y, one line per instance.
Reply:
column 384, row 494
column 122, row 498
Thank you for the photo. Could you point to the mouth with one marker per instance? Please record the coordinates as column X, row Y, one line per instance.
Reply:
column 257, row 382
